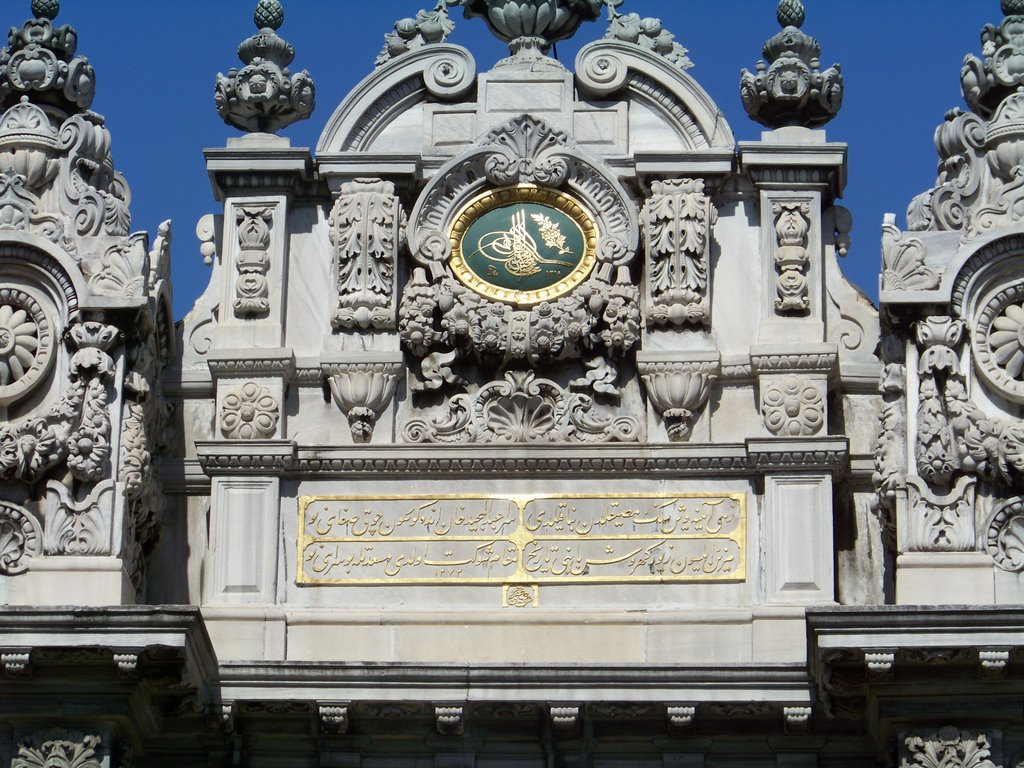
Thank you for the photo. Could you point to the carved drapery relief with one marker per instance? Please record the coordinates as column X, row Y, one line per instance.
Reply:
column 60, row 750
column 362, row 391
column 368, row 234
column 27, row 343
column 679, row 390
column 252, row 291
column 792, row 406
column 522, row 409
column 1004, row 535
column 677, row 221
column 792, row 224
column 948, row 748
column 21, row 538
column 250, row 412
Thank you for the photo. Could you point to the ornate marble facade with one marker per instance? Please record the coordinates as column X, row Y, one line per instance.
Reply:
column 529, row 420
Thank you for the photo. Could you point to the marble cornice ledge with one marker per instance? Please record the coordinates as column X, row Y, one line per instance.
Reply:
column 795, row 166
column 237, row 363
column 259, row 165
column 779, row 685
column 283, row 458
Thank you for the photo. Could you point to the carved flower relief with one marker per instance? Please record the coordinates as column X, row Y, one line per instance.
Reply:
column 26, row 343
column 20, row 539
column 999, row 342
column 793, row 407
column 1004, row 536
column 250, row 412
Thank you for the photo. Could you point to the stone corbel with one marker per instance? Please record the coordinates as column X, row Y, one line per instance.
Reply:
column 450, row 721
column 333, row 719
column 363, row 387
column 565, row 721
column 678, row 386
column 796, row 720
column 17, row 663
column 680, row 720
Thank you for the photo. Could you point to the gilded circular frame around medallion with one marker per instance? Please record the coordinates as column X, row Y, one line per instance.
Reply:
column 540, row 239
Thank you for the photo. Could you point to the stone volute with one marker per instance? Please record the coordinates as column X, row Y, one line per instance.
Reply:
column 789, row 89
column 530, row 27
column 264, row 96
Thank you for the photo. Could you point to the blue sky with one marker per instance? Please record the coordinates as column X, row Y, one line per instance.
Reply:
column 156, row 64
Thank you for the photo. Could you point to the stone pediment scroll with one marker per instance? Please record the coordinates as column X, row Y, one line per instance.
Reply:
column 522, row 249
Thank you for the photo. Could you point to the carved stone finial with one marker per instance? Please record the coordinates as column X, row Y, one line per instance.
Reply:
column 264, row 96
column 531, row 26
column 790, row 89
column 40, row 62
column 269, row 14
column 412, row 33
column 790, row 13
column 46, row 9
column 987, row 81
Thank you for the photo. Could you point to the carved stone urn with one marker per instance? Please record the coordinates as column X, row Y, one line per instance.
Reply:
column 531, row 26
column 363, row 389
column 678, row 388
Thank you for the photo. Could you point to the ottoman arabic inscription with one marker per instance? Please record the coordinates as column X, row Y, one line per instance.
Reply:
column 495, row 539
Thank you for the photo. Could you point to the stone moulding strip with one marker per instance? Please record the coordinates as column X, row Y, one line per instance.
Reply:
column 284, row 458
column 569, row 684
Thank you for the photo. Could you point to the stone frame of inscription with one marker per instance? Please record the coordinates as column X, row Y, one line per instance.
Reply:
column 503, row 541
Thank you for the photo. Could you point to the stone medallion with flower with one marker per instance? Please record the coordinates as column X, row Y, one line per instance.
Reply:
column 998, row 342
column 26, row 344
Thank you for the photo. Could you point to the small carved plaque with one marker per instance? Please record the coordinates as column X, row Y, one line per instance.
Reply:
column 482, row 539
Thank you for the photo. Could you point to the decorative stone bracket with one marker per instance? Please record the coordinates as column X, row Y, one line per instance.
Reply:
column 362, row 388
column 678, row 386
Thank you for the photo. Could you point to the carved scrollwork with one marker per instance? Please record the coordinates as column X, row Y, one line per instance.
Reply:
column 903, row 262
column 792, row 258
column 942, row 523
column 250, row 412
column 1004, row 535
column 252, row 291
column 677, row 223
column 21, row 538
column 960, row 142
column 792, row 407
column 78, row 527
column 522, row 409
column 368, row 233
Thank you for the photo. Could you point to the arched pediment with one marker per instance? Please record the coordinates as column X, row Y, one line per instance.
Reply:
column 442, row 71
column 610, row 68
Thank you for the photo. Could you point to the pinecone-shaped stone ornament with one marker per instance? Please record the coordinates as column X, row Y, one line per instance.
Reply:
column 1013, row 7
column 45, row 9
column 269, row 14
column 791, row 13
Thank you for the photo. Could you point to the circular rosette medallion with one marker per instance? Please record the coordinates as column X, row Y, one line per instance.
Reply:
column 26, row 344
column 523, row 245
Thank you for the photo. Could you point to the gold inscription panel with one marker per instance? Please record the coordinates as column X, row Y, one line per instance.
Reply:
column 397, row 540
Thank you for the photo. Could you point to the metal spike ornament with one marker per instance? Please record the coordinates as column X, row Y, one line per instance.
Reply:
column 788, row 88
column 264, row 96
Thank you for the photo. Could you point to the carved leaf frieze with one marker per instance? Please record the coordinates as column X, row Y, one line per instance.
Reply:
column 677, row 221
column 947, row 748
column 368, row 234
